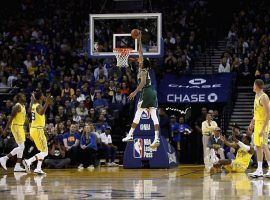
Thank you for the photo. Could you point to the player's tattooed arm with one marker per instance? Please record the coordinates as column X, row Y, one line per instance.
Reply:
column 140, row 59
column 14, row 112
column 42, row 109
column 140, row 86
column 32, row 101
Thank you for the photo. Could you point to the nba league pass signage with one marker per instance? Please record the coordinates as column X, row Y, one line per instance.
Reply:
column 138, row 153
column 195, row 88
column 142, row 148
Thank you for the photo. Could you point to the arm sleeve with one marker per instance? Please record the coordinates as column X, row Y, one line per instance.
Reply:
column 110, row 139
column 244, row 146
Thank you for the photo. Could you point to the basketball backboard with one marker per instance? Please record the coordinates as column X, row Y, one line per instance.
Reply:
column 109, row 31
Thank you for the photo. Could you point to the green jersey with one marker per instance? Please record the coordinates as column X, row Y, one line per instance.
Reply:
column 148, row 78
column 148, row 97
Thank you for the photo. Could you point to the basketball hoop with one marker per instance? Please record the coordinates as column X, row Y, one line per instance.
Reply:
column 122, row 55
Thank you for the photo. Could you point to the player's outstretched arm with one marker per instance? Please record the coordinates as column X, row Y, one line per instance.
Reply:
column 229, row 144
column 140, row 86
column 42, row 109
column 140, row 60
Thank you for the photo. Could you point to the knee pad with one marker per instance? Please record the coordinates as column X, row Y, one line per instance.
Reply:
column 153, row 113
column 20, row 150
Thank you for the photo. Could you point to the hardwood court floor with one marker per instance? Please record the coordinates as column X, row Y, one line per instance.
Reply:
column 184, row 182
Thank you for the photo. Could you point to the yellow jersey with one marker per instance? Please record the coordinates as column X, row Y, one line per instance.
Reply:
column 19, row 118
column 259, row 112
column 243, row 158
column 37, row 119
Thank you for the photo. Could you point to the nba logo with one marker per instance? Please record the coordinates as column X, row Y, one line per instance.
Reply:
column 145, row 114
column 137, row 150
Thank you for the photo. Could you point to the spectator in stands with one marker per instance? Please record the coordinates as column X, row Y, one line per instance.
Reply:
column 114, row 70
column 101, row 123
column 224, row 66
column 174, row 126
column 67, row 92
column 93, row 115
column 75, row 117
column 88, row 144
column 180, row 138
column 208, row 127
column 80, row 96
column 200, row 120
column 216, row 117
column 215, row 144
column 100, row 102
column 164, row 123
column 3, row 83
column 124, row 89
column 55, row 90
column 61, row 113
column 108, row 148
column 71, row 142
column 170, row 62
column 57, row 155
column 81, row 110
column 100, row 71
column 7, row 108
column 119, row 99
column 61, row 129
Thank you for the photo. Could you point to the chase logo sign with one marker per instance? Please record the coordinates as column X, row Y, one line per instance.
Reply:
column 197, row 81
column 212, row 97
column 195, row 89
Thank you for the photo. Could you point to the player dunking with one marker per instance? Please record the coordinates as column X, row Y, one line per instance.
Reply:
column 148, row 98
column 37, row 130
column 260, row 123
column 16, row 120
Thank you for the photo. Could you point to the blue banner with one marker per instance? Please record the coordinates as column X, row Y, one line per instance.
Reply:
column 195, row 88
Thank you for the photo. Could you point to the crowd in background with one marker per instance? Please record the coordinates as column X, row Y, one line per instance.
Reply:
column 247, row 51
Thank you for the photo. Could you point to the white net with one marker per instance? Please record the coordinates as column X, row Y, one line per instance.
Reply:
column 122, row 55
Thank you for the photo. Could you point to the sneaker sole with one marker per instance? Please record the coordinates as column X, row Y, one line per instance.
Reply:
column 37, row 173
column 19, row 171
column 27, row 168
column 155, row 146
column 266, row 176
column 255, row 176
column 130, row 140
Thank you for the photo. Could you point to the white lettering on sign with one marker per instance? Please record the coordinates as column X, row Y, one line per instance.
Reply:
column 195, row 86
column 186, row 98
column 145, row 127
column 147, row 151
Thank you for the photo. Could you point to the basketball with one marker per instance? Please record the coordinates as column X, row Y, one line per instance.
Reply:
column 135, row 33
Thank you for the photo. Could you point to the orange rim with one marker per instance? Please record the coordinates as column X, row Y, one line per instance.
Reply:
column 122, row 51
